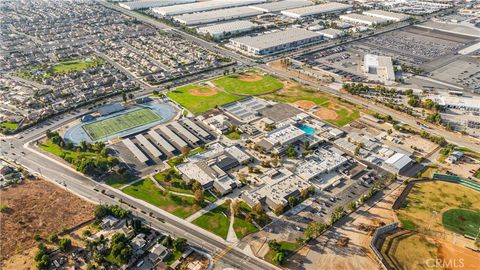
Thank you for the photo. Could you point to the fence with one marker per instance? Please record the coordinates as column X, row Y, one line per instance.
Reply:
column 373, row 244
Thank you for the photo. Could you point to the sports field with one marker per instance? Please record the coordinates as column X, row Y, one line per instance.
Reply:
column 462, row 221
column 110, row 126
column 201, row 98
column 428, row 202
column 249, row 84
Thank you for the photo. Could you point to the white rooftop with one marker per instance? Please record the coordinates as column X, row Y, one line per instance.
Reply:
column 398, row 161
column 278, row 38
column 316, row 9
column 217, row 15
column 203, row 6
column 282, row 5
column 228, row 27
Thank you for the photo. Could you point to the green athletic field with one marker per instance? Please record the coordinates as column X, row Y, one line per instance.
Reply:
column 462, row 221
column 110, row 126
column 235, row 84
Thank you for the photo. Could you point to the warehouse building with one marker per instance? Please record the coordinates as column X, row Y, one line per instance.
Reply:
column 379, row 68
column 317, row 10
column 218, row 31
column 282, row 5
column 136, row 5
column 216, row 15
column 362, row 19
column 276, row 42
column 390, row 16
column 203, row 6
column 331, row 33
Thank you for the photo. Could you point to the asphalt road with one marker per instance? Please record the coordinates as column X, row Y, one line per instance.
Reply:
column 85, row 187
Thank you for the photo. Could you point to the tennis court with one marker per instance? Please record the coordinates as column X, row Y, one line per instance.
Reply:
column 110, row 126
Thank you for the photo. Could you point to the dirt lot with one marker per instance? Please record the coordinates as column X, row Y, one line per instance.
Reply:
column 305, row 104
column 325, row 254
column 250, row 77
column 204, row 92
column 326, row 114
column 37, row 207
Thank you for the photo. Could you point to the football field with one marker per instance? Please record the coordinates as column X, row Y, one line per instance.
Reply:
column 110, row 126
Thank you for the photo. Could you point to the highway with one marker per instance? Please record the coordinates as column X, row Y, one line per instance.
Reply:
column 24, row 153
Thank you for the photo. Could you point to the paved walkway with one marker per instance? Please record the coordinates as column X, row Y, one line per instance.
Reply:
column 232, row 236
column 213, row 205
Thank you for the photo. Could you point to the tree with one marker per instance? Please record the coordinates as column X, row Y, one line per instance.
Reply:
column 279, row 258
column 155, row 92
column 352, row 206
column 258, row 209
column 180, row 244
column 236, row 208
column 53, row 238
column 291, row 153
column 168, row 242
column 65, row 244
column 130, row 96
column 198, row 197
column 274, row 245
column 292, row 201
column 196, row 186
column 37, row 237
column 278, row 209
column 124, row 97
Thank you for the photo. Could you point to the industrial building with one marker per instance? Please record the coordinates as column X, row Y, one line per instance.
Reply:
column 362, row 19
column 317, row 10
column 379, row 68
column 276, row 42
column 468, row 104
column 203, row 6
column 136, row 5
column 386, row 15
column 216, row 15
column 398, row 163
column 331, row 33
column 218, row 31
column 282, row 5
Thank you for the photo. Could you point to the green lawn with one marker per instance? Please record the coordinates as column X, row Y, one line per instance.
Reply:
column 215, row 221
column 60, row 152
column 117, row 180
column 286, row 247
column 344, row 117
column 77, row 65
column 110, row 126
column 408, row 224
column 146, row 190
column 45, row 71
column 9, row 125
column 243, row 228
column 462, row 221
column 233, row 135
column 176, row 184
column 234, row 84
column 200, row 104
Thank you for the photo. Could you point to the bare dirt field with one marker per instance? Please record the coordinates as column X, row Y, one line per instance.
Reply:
column 326, row 114
column 305, row 104
column 37, row 207
column 450, row 252
column 325, row 254
column 250, row 77
column 202, row 92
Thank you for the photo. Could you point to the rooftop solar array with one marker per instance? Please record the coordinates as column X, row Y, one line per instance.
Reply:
column 246, row 110
column 172, row 136
column 161, row 141
column 135, row 150
column 192, row 138
column 200, row 131
column 148, row 145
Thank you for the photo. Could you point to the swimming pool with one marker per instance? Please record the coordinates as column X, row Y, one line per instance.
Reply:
column 307, row 129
